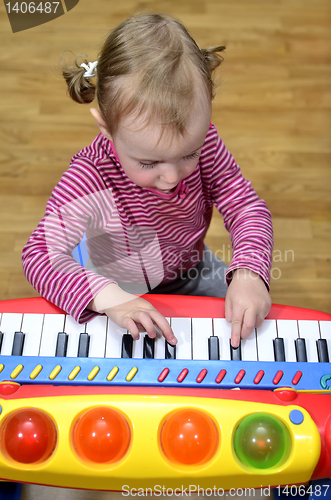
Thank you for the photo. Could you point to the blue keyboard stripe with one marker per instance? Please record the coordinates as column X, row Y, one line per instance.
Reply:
column 149, row 371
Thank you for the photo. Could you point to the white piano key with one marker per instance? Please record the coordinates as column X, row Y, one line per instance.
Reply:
column 309, row 331
column 97, row 330
column 114, row 340
column 202, row 329
column 182, row 329
column 73, row 330
column 10, row 323
column 32, row 326
column 222, row 330
column 159, row 346
column 265, row 336
column 325, row 329
column 249, row 348
column 288, row 330
column 53, row 324
column 138, row 346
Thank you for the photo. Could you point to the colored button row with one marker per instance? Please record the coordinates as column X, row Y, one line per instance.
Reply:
column 187, row 437
column 163, row 375
column 238, row 378
column 73, row 374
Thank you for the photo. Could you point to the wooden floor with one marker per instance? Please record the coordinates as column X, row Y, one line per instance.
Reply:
column 272, row 111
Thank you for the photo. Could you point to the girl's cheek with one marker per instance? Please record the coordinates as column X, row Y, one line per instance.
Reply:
column 144, row 178
column 191, row 168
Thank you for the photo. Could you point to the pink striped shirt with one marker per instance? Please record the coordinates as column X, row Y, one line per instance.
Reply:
column 134, row 232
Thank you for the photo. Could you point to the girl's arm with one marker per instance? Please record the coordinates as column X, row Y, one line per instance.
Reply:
column 248, row 221
column 47, row 260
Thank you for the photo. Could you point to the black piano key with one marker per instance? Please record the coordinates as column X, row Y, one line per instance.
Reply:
column 1, row 339
column 18, row 344
column 300, row 350
column 279, row 349
column 83, row 345
column 170, row 351
column 322, row 351
column 235, row 352
column 127, row 346
column 61, row 345
column 148, row 347
column 213, row 348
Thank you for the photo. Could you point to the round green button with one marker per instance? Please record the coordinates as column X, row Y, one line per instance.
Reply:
column 261, row 441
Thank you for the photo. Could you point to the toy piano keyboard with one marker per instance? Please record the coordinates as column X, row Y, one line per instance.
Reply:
column 83, row 406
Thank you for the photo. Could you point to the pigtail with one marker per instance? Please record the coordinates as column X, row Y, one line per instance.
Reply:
column 80, row 88
column 213, row 60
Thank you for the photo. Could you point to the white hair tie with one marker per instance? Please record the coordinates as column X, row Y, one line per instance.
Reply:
column 92, row 66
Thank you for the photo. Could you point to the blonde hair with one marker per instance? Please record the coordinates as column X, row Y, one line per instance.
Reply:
column 149, row 66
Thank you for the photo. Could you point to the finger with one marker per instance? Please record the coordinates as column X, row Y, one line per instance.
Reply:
column 163, row 326
column 144, row 323
column 132, row 328
column 141, row 327
column 259, row 321
column 236, row 331
column 249, row 323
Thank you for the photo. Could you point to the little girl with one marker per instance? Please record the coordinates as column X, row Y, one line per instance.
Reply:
column 143, row 192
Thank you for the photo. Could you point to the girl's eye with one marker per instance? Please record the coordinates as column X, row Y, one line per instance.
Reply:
column 153, row 165
column 147, row 165
column 192, row 156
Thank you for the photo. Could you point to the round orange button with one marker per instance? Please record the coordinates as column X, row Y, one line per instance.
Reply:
column 101, row 435
column 189, row 437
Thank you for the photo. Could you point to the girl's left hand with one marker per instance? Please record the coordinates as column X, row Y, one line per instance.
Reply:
column 247, row 303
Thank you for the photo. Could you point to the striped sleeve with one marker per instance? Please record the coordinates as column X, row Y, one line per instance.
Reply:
column 245, row 215
column 47, row 260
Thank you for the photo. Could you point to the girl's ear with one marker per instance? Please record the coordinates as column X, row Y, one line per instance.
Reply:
column 100, row 122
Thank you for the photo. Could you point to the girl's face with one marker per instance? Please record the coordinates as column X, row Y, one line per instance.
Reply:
column 158, row 161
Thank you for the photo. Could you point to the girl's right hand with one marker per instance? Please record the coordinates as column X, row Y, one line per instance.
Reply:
column 131, row 312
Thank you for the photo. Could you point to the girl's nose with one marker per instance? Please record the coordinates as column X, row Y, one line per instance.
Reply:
column 170, row 174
